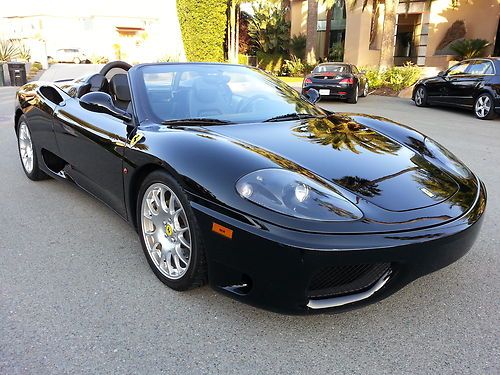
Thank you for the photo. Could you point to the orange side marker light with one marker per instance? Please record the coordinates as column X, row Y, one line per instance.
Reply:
column 223, row 231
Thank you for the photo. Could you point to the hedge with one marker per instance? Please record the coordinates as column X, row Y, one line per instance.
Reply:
column 203, row 28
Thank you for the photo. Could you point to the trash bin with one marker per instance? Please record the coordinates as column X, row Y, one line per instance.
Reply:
column 2, row 83
column 17, row 73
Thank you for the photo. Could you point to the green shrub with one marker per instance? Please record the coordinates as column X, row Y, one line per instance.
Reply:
column 272, row 63
column 469, row 48
column 298, row 45
column 203, row 27
column 37, row 65
column 396, row 78
column 294, row 67
column 400, row 77
column 242, row 59
column 374, row 76
column 336, row 53
column 99, row 59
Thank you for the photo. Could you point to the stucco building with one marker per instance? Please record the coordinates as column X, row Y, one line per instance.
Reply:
column 419, row 30
column 135, row 31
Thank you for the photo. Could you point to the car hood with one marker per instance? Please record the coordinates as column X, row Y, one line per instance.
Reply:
column 353, row 156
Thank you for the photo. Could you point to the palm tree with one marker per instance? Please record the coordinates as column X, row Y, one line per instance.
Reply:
column 311, row 33
column 312, row 22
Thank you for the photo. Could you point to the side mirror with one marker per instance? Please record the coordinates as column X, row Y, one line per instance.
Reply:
column 312, row 96
column 103, row 103
column 442, row 73
column 362, row 71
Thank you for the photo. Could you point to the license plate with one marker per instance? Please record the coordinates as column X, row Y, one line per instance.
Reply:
column 324, row 92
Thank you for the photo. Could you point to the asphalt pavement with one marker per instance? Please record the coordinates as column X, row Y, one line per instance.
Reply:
column 77, row 295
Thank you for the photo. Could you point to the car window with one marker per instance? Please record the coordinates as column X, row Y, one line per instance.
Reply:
column 229, row 93
column 354, row 69
column 458, row 69
column 331, row 68
column 480, row 67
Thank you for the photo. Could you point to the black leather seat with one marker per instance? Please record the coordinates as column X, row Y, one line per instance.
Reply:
column 210, row 96
column 120, row 91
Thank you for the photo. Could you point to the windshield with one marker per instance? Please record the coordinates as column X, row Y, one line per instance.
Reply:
column 331, row 68
column 225, row 93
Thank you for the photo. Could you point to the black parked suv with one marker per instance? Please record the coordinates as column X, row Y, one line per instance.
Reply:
column 473, row 84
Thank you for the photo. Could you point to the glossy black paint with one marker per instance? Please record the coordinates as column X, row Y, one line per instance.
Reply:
column 332, row 82
column 379, row 165
column 461, row 90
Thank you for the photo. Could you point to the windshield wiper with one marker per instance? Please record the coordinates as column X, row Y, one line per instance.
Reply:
column 291, row 116
column 196, row 121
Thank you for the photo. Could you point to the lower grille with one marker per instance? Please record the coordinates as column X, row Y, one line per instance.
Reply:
column 346, row 279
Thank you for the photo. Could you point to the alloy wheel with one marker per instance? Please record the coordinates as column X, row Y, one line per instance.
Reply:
column 483, row 106
column 419, row 96
column 166, row 231
column 25, row 147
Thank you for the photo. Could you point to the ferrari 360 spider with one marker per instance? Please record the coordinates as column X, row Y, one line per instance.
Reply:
column 232, row 177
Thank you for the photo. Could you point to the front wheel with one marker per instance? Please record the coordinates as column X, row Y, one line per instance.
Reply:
column 484, row 107
column 421, row 97
column 169, row 233
column 27, row 152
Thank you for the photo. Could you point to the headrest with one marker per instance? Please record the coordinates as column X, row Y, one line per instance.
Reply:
column 98, row 82
column 205, row 92
column 118, row 86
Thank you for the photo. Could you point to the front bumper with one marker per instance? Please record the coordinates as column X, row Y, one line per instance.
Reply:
column 274, row 268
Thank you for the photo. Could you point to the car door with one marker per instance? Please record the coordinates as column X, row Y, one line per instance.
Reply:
column 478, row 72
column 92, row 144
column 436, row 87
column 459, row 84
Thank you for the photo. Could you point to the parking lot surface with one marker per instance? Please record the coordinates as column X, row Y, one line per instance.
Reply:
column 77, row 295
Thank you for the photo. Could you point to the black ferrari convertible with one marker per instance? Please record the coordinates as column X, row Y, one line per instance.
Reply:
column 232, row 177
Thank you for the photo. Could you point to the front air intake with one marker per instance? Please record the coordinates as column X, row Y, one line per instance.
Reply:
column 334, row 281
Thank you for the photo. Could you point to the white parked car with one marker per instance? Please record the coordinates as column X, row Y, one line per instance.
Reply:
column 71, row 55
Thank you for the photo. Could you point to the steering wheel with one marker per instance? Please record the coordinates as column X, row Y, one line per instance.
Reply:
column 115, row 65
column 246, row 103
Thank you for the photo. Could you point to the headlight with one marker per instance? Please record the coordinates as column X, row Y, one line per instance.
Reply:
column 295, row 195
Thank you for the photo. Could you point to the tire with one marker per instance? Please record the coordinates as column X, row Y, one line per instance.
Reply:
column 484, row 107
column 180, row 267
column 76, row 60
column 353, row 98
column 420, row 97
column 365, row 90
column 27, row 152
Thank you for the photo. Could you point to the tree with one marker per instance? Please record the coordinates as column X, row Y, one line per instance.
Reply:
column 233, row 30
column 387, row 45
column 268, row 28
column 311, row 33
column 312, row 22
column 203, row 27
